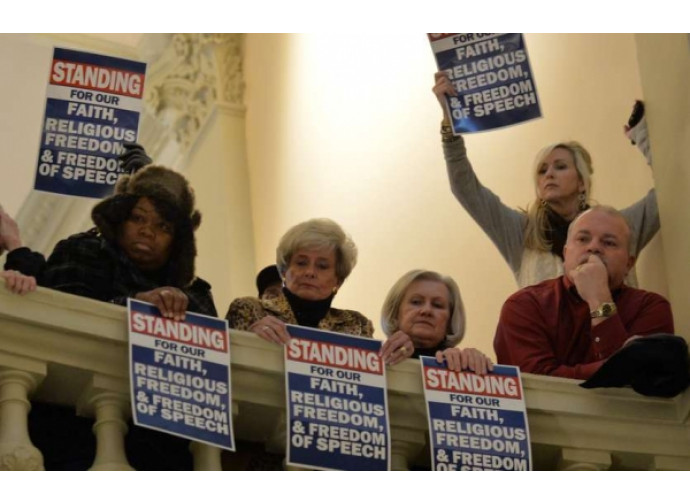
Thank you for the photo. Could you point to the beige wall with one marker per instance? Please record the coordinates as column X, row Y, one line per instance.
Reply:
column 217, row 169
column 347, row 128
column 664, row 62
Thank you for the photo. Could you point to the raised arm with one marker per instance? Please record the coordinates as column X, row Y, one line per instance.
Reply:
column 503, row 225
column 643, row 219
column 642, row 216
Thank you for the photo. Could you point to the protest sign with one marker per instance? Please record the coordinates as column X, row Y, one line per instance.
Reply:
column 180, row 375
column 476, row 422
column 336, row 402
column 92, row 106
column 492, row 76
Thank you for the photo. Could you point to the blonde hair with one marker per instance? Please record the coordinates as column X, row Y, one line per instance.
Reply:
column 318, row 234
column 537, row 221
column 391, row 306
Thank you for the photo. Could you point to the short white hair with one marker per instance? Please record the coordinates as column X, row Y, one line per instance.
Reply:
column 318, row 234
column 390, row 311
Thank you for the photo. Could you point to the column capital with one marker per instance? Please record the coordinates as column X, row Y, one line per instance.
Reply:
column 192, row 74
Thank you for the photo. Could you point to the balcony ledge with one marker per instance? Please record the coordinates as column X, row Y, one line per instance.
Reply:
column 73, row 345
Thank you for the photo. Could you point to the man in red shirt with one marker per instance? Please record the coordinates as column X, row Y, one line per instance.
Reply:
column 570, row 325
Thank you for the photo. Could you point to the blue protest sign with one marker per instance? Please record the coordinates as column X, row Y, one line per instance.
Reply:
column 92, row 106
column 476, row 422
column 336, row 402
column 492, row 76
column 180, row 375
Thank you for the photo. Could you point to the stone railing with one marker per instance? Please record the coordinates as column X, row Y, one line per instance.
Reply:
column 71, row 350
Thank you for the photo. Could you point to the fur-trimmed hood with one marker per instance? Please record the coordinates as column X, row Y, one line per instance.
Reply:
column 165, row 187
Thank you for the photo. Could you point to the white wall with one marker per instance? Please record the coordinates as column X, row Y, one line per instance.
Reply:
column 347, row 128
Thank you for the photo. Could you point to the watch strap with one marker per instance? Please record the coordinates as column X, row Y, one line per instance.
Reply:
column 604, row 310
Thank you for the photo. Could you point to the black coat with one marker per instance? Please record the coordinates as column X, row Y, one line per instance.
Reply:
column 86, row 264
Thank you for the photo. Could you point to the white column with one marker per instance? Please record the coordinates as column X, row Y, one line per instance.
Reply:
column 111, row 411
column 16, row 450
column 106, row 399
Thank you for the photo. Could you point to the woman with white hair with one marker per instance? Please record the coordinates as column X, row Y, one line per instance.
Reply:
column 314, row 258
column 423, row 314
column 532, row 241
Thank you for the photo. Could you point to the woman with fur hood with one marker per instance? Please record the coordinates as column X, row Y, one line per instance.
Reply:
column 143, row 247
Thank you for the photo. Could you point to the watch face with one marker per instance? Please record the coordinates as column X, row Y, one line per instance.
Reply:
column 604, row 310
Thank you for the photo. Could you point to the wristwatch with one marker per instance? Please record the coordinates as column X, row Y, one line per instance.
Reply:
column 604, row 310
column 447, row 132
